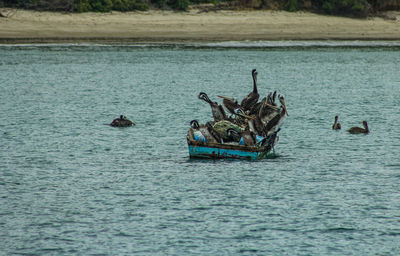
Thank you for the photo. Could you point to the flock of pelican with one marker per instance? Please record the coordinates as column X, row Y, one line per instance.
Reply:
column 249, row 121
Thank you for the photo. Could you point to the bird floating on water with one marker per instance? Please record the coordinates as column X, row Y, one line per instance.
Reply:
column 122, row 121
column 336, row 125
column 357, row 130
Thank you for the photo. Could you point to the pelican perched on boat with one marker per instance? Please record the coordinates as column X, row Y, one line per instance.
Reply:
column 267, row 111
column 357, row 130
column 213, row 132
column 241, row 118
column 255, row 125
column 336, row 125
column 122, row 121
column 251, row 99
column 271, row 98
column 277, row 120
column 230, row 104
column 272, row 138
column 249, row 137
column 256, row 107
column 232, row 135
column 217, row 110
column 205, row 131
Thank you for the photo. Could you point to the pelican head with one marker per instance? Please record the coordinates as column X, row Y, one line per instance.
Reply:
column 283, row 104
column 365, row 124
column 204, row 96
column 254, row 74
column 194, row 124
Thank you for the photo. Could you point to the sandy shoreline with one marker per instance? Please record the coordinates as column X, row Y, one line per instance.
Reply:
column 21, row 26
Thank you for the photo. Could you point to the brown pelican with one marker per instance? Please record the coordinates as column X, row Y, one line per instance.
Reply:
column 213, row 132
column 356, row 130
column 205, row 131
column 122, row 121
column 249, row 138
column 336, row 125
column 217, row 110
column 267, row 111
column 230, row 104
column 256, row 125
column 251, row 99
column 271, row 98
column 278, row 119
column 256, row 107
column 241, row 118
column 232, row 135
column 271, row 139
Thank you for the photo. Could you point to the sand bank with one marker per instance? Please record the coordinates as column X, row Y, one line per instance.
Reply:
column 192, row 26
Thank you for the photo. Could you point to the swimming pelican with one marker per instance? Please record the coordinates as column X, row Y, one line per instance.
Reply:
column 122, row 121
column 251, row 99
column 336, row 125
column 356, row 130
column 230, row 104
column 217, row 110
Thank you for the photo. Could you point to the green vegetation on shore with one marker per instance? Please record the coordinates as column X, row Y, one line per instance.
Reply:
column 355, row 8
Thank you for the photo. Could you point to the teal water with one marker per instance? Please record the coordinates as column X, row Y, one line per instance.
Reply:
column 72, row 185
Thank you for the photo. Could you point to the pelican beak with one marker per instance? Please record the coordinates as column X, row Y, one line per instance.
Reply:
column 284, row 107
column 226, row 98
column 271, row 106
column 283, row 103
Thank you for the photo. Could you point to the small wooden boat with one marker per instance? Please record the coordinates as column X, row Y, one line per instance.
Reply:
column 203, row 150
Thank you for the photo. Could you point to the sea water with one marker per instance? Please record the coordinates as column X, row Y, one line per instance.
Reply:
column 72, row 185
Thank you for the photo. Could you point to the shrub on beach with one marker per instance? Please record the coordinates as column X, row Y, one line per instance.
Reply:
column 181, row 5
column 358, row 8
column 109, row 5
column 129, row 5
column 292, row 5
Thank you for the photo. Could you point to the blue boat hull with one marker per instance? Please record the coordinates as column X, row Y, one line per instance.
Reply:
column 201, row 149
column 207, row 152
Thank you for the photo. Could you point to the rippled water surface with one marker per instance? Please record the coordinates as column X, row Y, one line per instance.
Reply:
column 72, row 185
